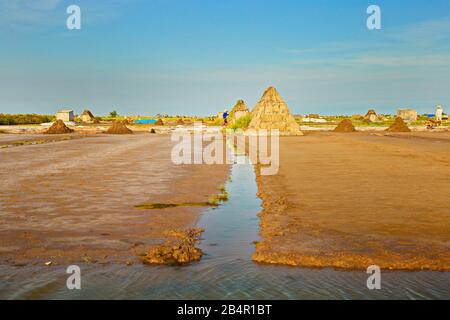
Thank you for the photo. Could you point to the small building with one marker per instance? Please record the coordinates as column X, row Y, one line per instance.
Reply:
column 87, row 116
column 439, row 113
column 313, row 119
column 407, row 114
column 371, row 116
column 65, row 115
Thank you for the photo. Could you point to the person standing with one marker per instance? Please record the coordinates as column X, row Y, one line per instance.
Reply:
column 225, row 116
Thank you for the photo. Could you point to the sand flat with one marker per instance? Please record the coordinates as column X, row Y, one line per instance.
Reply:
column 352, row 200
column 74, row 200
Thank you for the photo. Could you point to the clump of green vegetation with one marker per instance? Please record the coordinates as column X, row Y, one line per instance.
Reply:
column 16, row 119
column 215, row 199
column 153, row 206
column 33, row 142
column 218, row 121
column 241, row 123
column 26, row 143
column 223, row 196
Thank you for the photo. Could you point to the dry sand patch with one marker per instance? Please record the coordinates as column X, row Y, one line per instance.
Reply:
column 349, row 201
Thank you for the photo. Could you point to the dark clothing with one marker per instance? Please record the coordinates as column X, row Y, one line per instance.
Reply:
column 225, row 116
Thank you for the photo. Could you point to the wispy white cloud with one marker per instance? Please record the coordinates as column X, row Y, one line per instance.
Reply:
column 429, row 60
column 424, row 34
column 426, row 44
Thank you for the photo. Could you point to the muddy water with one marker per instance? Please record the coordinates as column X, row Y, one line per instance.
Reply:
column 225, row 272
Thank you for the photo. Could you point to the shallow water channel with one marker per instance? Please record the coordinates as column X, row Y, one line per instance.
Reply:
column 225, row 271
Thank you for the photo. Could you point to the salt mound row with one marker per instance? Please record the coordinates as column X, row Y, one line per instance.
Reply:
column 58, row 127
column 118, row 127
column 345, row 125
column 398, row 126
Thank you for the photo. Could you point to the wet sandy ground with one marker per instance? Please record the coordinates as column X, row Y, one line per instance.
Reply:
column 224, row 272
column 353, row 200
column 16, row 140
column 73, row 200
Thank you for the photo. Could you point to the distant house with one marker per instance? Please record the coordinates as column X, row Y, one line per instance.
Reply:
column 87, row 116
column 65, row 115
column 313, row 120
column 407, row 114
column 371, row 115
column 439, row 112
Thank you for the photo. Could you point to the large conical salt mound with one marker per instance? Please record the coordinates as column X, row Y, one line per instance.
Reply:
column 398, row 126
column 118, row 127
column 272, row 113
column 58, row 127
column 345, row 125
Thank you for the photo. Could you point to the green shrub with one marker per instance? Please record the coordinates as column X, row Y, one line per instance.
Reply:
column 241, row 123
column 15, row 119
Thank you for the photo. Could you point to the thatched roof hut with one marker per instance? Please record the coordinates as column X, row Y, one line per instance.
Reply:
column 239, row 110
column 371, row 116
column 87, row 116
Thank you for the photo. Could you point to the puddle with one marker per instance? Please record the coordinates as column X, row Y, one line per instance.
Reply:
column 232, row 227
column 225, row 271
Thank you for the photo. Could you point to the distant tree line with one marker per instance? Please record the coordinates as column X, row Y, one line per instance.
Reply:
column 12, row 119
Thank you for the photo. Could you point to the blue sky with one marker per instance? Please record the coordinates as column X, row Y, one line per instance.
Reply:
column 200, row 56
